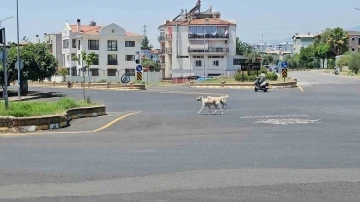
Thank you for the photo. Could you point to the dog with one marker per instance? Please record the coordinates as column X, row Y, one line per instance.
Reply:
column 208, row 102
column 222, row 99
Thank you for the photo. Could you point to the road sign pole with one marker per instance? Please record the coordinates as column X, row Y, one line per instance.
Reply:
column 5, row 93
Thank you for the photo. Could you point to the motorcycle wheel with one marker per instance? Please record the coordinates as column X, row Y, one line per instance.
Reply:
column 265, row 90
column 256, row 90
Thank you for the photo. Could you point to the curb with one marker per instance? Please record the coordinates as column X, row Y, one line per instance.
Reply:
column 241, row 87
column 49, row 122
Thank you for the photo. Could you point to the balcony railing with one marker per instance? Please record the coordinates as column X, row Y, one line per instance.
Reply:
column 208, row 50
column 209, row 36
column 162, row 64
column 112, row 62
column 168, row 50
column 162, row 51
column 168, row 36
column 161, row 38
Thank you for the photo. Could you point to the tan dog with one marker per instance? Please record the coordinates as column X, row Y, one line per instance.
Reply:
column 206, row 102
column 222, row 99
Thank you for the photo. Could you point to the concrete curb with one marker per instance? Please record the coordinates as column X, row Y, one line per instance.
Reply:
column 241, row 87
column 50, row 122
column 90, row 85
column 291, row 84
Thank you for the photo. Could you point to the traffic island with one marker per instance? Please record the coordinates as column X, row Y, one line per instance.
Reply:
column 32, row 116
column 90, row 85
column 243, row 85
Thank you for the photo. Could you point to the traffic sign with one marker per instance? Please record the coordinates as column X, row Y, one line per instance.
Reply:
column 284, row 73
column 284, row 65
column 21, row 65
column 139, row 76
column 139, row 68
column 125, row 78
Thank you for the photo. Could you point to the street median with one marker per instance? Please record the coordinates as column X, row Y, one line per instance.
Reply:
column 48, row 122
column 89, row 85
column 241, row 85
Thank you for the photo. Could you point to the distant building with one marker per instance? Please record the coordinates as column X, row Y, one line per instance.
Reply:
column 150, row 54
column 54, row 42
column 263, row 47
column 354, row 41
column 303, row 40
column 198, row 43
column 285, row 47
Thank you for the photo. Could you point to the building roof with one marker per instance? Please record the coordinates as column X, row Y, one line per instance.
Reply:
column 353, row 33
column 212, row 21
column 308, row 35
column 95, row 30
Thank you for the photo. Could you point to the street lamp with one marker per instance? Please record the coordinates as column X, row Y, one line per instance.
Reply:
column 206, row 21
column 18, row 47
column 262, row 44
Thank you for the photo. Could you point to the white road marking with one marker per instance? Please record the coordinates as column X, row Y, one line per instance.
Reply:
column 272, row 116
column 287, row 121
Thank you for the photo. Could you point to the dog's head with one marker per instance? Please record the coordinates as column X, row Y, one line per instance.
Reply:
column 225, row 96
column 199, row 98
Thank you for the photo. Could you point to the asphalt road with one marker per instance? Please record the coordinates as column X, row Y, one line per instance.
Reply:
column 284, row 145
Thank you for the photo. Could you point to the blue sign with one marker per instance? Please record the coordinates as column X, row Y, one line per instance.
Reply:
column 284, row 65
column 139, row 68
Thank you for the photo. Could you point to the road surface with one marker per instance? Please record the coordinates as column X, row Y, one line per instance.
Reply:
column 284, row 145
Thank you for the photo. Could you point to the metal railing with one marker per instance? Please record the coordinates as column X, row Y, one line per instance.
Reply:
column 168, row 50
column 168, row 36
column 112, row 62
column 208, row 50
column 208, row 36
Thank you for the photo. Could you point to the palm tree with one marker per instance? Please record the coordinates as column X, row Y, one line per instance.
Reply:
column 338, row 41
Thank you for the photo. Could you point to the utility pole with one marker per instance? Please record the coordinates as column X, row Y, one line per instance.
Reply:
column 145, row 31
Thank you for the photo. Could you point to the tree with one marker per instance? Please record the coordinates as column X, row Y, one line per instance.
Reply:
column 337, row 39
column 354, row 62
column 268, row 59
column 86, row 59
column 39, row 64
column 63, row 72
column 344, row 60
column 243, row 48
column 306, row 57
column 322, row 52
column 151, row 64
column 145, row 43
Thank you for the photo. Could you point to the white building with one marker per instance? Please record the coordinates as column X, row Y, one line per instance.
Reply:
column 198, row 43
column 116, row 49
column 54, row 42
column 263, row 47
column 150, row 54
column 285, row 47
column 303, row 40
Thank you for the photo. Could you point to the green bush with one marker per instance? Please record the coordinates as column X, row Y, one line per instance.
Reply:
column 38, row 108
column 271, row 76
column 239, row 77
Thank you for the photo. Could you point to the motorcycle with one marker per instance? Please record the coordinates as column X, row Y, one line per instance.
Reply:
column 336, row 71
column 263, row 88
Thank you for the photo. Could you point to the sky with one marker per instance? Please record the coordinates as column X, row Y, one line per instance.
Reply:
column 280, row 19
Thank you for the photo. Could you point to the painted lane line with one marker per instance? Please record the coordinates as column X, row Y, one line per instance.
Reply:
column 114, row 121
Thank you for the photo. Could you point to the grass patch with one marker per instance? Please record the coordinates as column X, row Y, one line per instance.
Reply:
column 40, row 108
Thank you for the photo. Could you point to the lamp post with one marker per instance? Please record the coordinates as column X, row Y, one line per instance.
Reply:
column 206, row 21
column 18, row 47
column 262, row 44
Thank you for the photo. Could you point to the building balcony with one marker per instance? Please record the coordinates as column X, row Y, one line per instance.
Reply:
column 168, row 37
column 209, row 36
column 112, row 62
column 208, row 50
column 168, row 50
column 162, row 64
column 161, row 38
column 162, row 51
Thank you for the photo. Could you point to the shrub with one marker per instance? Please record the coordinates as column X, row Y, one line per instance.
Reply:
column 239, row 77
column 271, row 76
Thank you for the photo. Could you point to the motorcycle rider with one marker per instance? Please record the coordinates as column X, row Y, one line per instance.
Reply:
column 261, row 78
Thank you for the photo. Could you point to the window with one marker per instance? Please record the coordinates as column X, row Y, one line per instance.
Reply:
column 111, row 72
column 358, row 41
column 73, row 43
column 198, row 63
column 237, row 61
column 198, row 56
column 353, row 39
column 112, row 60
column 129, row 57
column 352, row 49
column 129, row 43
column 73, row 55
column 130, row 72
column 94, row 72
column 79, row 44
column 66, row 43
column 216, row 56
column 112, row 45
column 93, row 44
column 79, row 58
column 216, row 63
column 96, row 60
column 182, row 56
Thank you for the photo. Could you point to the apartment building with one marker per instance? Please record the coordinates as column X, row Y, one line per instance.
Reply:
column 263, row 47
column 354, row 41
column 285, row 47
column 54, row 42
column 303, row 40
column 198, row 43
column 116, row 49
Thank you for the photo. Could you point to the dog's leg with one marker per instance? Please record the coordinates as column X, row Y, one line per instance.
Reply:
column 222, row 112
column 201, row 110
column 209, row 110
column 216, row 109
